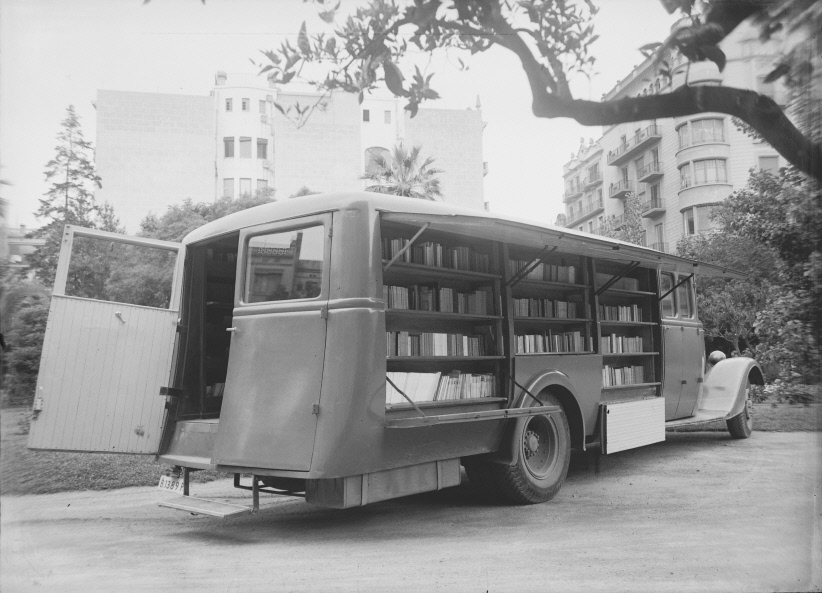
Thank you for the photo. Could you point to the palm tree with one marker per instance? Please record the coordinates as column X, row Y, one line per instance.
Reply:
column 401, row 174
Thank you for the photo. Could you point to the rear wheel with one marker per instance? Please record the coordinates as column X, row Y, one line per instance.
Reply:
column 543, row 451
column 741, row 425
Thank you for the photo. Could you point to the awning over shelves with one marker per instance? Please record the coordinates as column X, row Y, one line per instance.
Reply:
column 566, row 241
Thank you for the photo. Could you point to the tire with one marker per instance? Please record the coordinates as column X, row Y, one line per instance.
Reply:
column 741, row 425
column 543, row 451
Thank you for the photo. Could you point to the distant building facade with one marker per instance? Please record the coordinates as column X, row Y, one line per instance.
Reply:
column 679, row 168
column 154, row 149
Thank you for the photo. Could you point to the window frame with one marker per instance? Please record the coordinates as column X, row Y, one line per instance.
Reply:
column 245, row 104
column 228, row 141
column 671, row 296
column 229, row 104
column 322, row 220
column 247, row 141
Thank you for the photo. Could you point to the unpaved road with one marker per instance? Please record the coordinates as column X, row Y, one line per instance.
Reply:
column 700, row 512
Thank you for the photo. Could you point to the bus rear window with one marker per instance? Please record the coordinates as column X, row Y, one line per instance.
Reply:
column 285, row 265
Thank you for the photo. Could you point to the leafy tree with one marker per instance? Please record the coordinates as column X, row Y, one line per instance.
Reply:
column 303, row 191
column 628, row 226
column 25, row 341
column 768, row 230
column 402, row 174
column 552, row 40
column 69, row 200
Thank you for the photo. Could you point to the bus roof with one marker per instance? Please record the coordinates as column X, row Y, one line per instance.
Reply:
column 462, row 221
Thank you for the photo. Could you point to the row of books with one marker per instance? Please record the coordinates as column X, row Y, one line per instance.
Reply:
column 434, row 254
column 615, row 344
column 622, row 283
column 543, row 271
column 625, row 375
column 431, row 298
column 428, row 387
column 620, row 313
column 545, row 308
column 403, row 343
column 549, row 341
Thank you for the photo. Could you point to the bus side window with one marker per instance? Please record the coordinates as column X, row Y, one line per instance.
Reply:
column 684, row 297
column 666, row 283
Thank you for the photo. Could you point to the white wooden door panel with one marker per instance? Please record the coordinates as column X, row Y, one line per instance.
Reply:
column 103, row 362
column 100, row 377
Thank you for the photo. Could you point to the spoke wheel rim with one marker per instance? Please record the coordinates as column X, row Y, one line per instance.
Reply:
column 538, row 447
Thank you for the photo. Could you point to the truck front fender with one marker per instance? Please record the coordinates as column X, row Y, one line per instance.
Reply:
column 725, row 385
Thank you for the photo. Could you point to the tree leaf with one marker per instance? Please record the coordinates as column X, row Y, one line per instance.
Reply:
column 279, row 108
column 331, row 45
column 778, row 72
column 393, row 78
column 714, row 54
column 302, row 41
column 287, row 77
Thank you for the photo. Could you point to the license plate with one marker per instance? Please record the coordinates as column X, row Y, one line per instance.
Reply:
column 172, row 484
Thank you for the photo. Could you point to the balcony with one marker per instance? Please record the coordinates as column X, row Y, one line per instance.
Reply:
column 593, row 180
column 650, row 172
column 653, row 207
column 639, row 142
column 621, row 189
column 595, row 208
column 663, row 247
column 572, row 193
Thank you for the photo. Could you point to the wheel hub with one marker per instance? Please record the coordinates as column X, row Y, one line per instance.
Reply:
column 531, row 443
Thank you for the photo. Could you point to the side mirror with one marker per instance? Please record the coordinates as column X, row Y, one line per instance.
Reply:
column 715, row 357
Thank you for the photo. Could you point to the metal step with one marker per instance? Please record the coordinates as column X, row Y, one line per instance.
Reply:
column 202, row 506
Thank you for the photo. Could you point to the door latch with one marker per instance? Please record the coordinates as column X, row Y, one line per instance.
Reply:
column 315, row 409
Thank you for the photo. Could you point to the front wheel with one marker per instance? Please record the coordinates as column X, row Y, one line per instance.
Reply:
column 543, row 445
column 741, row 425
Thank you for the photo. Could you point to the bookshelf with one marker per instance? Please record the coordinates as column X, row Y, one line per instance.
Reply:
column 627, row 328
column 442, row 319
column 549, row 303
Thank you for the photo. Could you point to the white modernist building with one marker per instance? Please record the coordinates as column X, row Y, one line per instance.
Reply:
column 679, row 168
column 157, row 149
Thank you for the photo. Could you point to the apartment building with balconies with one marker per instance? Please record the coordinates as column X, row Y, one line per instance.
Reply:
column 679, row 168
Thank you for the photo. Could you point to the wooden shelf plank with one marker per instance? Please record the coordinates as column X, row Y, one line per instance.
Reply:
column 446, row 403
column 550, row 320
column 554, row 353
column 441, row 358
column 630, row 354
column 629, row 292
column 407, row 270
column 413, row 313
column 627, row 323
column 567, row 286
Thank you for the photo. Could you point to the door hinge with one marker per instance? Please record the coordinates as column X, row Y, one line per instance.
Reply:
column 315, row 409
column 330, row 232
column 324, row 313
column 171, row 392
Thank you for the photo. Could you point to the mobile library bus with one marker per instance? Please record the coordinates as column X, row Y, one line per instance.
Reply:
column 352, row 348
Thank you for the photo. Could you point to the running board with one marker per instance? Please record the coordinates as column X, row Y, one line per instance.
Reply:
column 202, row 506
column 698, row 418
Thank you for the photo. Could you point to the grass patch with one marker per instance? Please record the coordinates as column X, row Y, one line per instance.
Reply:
column 40, row 472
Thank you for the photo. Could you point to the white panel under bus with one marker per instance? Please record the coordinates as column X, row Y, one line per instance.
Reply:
column 633, row 424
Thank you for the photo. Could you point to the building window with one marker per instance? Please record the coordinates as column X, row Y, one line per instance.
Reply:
column 262, row 184
column 262, row 148
column 387, row 117
column 262, row 106
column 703, row 218
column 685, row 176
column 659, row 233
column 366, row 115
column 690, row 226
column 769, row 164
column 245, row 148
column 229, row 105
column 655, row 194
column 228, row 143
column 590, row 226
column 245, row 187
column 376, row 158
column 710, row 171
column 683, row 136
column 706, row 131
column 246, row 105
column 228, row 188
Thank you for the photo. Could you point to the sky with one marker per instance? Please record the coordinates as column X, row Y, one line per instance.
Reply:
column 55, row 53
